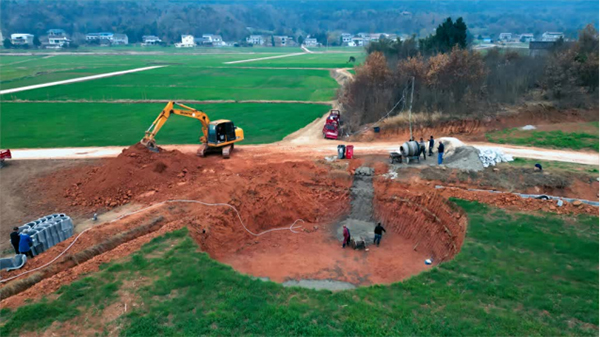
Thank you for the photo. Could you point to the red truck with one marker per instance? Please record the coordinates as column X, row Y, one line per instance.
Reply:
column 4, row 154
column 332, row 123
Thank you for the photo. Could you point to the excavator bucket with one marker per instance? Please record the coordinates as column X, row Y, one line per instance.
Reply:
column 150, row 145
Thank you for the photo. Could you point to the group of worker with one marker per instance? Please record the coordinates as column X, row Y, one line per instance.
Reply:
column 376, row 240
column 21, row 242
column 431, row 143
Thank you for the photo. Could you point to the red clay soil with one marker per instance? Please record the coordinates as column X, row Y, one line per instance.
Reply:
column 513, row 202
column 269, row 193
column 475, row 129
column 436, row 227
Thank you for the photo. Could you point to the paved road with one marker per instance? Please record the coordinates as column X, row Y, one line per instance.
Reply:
column 74, row 80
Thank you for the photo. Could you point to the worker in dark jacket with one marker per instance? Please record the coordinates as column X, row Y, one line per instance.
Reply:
column 25, row 245
column 346, row 237
column 14, row 239
column 440, row 153
column 422, row 149
column 431, row 144
column 378, row 232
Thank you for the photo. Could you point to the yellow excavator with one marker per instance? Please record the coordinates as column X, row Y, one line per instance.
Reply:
column 217, row 136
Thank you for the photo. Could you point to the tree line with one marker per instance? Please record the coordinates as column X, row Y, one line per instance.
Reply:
column 455, row 81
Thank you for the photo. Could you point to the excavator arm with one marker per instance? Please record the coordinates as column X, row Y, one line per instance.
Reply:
column 162, row 118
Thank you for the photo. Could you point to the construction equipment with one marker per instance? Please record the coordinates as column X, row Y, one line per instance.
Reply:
column 219, row 135
column 4, row 154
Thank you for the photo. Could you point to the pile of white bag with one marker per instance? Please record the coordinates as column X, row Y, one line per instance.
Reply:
column 492, row 156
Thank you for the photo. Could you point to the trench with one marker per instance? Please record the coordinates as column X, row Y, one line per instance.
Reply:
column 70, row 260
column 360, row 220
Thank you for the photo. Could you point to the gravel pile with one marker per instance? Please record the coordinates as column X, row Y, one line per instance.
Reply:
column 464, row 158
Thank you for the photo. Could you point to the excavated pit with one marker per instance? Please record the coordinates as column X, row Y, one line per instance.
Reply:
column 269, row 193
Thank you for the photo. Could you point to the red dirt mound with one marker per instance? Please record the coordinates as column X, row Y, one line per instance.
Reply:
column 117, row 181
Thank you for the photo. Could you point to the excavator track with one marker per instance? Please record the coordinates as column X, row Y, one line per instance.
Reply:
column 227, row 151
column 202, row 150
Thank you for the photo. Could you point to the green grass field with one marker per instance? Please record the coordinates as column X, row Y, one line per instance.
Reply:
column 46, row 125
column 517, row 274
column 333, row 60
column 554, row 166
column 587, row 140
column 189, row 76
column 197, row 83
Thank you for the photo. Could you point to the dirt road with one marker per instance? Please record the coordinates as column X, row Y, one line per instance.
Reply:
column 264, row 58
column 79, row 79
column 303, row 142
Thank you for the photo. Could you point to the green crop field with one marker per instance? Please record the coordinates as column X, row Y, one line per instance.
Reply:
column 332, row 60
column 185, row 76
column 517, row 274
column 19, row 71
column 195, row 83
column 46, row 125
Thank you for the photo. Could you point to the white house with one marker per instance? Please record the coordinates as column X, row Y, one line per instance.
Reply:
column 187, row 41
column 57, row 38
column 359, row 41
column 552, row 36
column 211, row 39
column 346, row 38
column 120, row 39
column 310, row 42
column 21, row 39
column 282, row 41
column 351, row 44
column 526, row 38
column 505, row 37
column 99, row 36
column 256, row 40
column 150, row 40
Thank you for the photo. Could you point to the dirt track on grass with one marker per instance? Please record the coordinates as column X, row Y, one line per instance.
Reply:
column 78, row 79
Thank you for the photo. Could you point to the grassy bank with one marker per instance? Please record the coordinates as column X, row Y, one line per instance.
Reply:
column 46, row 125
column 587, row 140
column 517, row 274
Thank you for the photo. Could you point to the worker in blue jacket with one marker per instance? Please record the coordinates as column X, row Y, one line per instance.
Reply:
column 25, row 245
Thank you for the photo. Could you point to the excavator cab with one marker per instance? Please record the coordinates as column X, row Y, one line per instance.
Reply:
column 221, row 131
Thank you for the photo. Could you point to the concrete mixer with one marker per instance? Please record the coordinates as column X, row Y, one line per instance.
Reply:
column 410, row 150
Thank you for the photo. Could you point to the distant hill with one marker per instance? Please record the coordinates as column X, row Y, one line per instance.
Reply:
column 231, row 19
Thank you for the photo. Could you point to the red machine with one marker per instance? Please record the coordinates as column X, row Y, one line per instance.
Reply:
column 4, row 154
column 330, row 130
column 332, row 123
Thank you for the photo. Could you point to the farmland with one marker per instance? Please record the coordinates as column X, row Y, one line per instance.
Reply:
column 102, row 124
column 87, row 121
column 196, row 83
column 517, row 274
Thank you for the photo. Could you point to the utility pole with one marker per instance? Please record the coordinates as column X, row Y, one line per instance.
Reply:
column 410, row 107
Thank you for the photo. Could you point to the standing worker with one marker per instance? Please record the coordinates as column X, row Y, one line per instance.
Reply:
column 422, row 149
column 431, row 144
column 346, row 237
column 25, row 245
column 440, row 153
column 378, row 232
column 14, row 239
